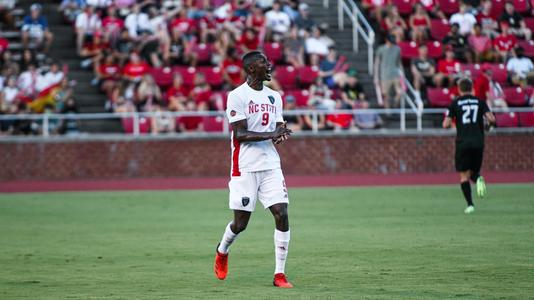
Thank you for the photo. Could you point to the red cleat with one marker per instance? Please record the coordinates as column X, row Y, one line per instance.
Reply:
column 221, row 265
column 281, row 281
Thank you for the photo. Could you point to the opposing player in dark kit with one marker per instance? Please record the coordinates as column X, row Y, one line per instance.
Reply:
column 469, row 113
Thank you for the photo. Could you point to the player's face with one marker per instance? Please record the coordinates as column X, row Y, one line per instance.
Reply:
column 262, row 68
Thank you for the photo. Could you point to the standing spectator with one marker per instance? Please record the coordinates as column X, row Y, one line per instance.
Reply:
column 480, row 44
column 35, row 27
column 423, row 69
column 464, row 19
column 87, row 24
column 504, row 42
column 278, row 22
column 303, row 19
column 518, row 27
column 419, row 23
column 388, row 69
column 519, row 67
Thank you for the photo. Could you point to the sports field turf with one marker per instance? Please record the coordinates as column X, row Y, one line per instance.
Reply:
column 347, row 243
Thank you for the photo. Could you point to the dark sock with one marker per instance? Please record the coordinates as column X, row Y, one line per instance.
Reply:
column 474, row 177
column 466, row 189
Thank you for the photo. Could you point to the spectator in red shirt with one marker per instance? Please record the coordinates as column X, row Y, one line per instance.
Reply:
column 92, row 51
column 419, row 23
column 504, row 42
column 177, row 94
column 190, row 123
column 4, row 43
column 232, row 69
column 249, row 40
column 107, row 72
column 394, row 23
column 182, row 24
column 112, row 25
column 135, row 68
column 447, row 68
column 481, row 84
column 432, row 7
column 201, row 93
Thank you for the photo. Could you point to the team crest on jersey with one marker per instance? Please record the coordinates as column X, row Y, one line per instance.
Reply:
column 233, row 113
column 245, row 201
column 271, row 98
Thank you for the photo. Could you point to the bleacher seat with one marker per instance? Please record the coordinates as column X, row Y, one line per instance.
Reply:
column 213, row 75
column 439, row 29
column 188, row 74
column 213, row 123
column 286, row 76
column 526, row 119
column 449, row 7
column 499, row 73
column 507, row 119
column 274, row 51
column 515, row 96
column 473, row 69
column 405, row 7
column 162, row 76
column 529, row 22
column 301, row 97
column 204, row 52
column 307, row 75
column 409, row 50
column 497, row 8
column 521, row 6
column 128, row 125
column 528, row 46
column 438, row 97
column 435, row 49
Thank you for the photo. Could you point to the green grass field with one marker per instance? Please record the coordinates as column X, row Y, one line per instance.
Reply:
column 347, row 243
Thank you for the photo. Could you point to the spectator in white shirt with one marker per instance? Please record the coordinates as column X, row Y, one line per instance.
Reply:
column 519, row 67
column 137, row 22
column 87, row 23
column 28, row 81
column 464, row 19
column 54, row 76
column 278, row 22
column 9, row 93
column 316, row 46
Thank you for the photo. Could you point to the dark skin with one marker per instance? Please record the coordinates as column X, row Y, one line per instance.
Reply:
column 257, row 72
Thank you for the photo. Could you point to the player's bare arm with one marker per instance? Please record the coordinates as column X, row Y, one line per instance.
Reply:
column 490, row 117
column 242, row 134
column 447, row 122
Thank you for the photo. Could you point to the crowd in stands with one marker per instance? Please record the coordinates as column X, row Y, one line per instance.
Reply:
column 172, row 56
column 439, row 41
column 29, row 81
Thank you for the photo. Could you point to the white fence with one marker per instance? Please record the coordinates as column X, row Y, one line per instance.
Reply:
column 432, row 116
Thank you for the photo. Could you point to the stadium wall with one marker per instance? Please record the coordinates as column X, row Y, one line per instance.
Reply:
column 60, row 159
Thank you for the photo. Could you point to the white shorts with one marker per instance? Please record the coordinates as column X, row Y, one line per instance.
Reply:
column 268, row 186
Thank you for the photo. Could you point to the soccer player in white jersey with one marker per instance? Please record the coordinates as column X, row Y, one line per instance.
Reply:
column 255, row 114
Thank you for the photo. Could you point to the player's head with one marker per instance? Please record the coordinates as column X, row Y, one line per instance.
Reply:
column 257, row 65
column 465, row 86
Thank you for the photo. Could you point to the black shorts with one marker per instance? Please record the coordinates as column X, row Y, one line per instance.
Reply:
column 469, row 158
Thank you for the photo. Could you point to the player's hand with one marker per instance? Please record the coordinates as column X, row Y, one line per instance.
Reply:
column 281, row 133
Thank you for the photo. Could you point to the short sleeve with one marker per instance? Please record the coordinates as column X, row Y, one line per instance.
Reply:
column 451, row 111
column 279, row 109
column 235, row 110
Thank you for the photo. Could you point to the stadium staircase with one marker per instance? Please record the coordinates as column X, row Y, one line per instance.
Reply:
column 63, row 51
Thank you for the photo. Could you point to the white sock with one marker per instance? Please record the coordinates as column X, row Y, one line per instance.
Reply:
column 281, row 244
column 227, row 239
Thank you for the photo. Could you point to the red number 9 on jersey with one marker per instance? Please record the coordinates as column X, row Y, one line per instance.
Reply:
column 265, row 119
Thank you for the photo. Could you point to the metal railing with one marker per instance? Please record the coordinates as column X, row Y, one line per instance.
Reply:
column 359, row 26
column 417, row 113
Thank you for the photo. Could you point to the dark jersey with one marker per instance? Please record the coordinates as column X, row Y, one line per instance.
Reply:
column 469, row 113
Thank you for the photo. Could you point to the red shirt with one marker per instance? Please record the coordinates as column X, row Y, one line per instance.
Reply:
column 112, row 24
column 135, row 70
column 448, row 67
column 504, row 43
column 251, row 44
column 481, row 87
column 342, row 120
column 233, row 69
column 96, row 47
column 182, row 25
column 190, row 123
column 201, row 94
column 177, row 92
column 109, row 71
column 258, row 21
column 428, row 4
column 3, row 44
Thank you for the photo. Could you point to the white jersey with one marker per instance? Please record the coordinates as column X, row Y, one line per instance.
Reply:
column 262, row 110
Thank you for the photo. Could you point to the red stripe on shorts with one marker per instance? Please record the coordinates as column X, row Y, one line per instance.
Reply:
column 235, row 157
